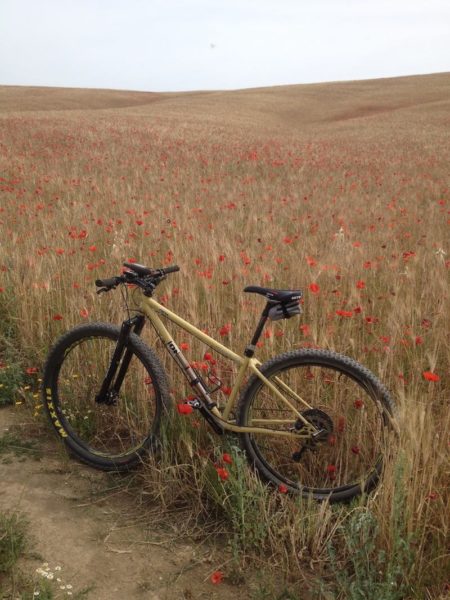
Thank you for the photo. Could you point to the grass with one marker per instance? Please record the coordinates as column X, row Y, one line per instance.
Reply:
column 46, row 584
column 12, row 540
column 340, row 189
column 11, row 443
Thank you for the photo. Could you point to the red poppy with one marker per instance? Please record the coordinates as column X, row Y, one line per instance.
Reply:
column 418, row 340
column 216, row 577
column 222, row 473
column 57, row 317
column 331, row 469
column 184, row 409
column 371, row 319
column 430, row 376
column 282, row 488
column 31, row 370
column 360, row 285
column 344, row 313
column 184, row 346
column 358, row 403
column 355, row 449
column 227, row 458
column 314, row 288
column 341, row 424
column 225, row 329
column 84, row 313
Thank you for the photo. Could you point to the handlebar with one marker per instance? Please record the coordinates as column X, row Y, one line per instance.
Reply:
column 142, row 276
column 109, row 283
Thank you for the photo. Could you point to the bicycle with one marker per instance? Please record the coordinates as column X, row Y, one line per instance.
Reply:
column 311, row 422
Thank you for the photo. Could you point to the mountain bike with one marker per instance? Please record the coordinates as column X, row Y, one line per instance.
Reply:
column 312, row 422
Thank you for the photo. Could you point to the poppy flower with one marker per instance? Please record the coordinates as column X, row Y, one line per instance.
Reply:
column 360, row 285
column 227, row 458
column 358, row 403
column 341, row 424
column 57, row 317
column 84, row 313
column 282, row 488
column 430, row 376
column 314, row 288
column 184, row 346
column 222, row 473
column 355, row 449
column 184, row 409
column 344, row 313
column 305, row 329
column 31, row 370
column 216, row 577
column 225, row 329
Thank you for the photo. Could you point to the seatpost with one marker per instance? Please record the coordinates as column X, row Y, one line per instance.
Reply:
column 251, row 348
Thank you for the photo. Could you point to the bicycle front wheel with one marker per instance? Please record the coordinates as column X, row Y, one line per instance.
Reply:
column 111, row 434
column 344, row 401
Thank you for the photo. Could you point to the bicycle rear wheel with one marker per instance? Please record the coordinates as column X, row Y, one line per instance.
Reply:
column 345, row 401
column 110, row 435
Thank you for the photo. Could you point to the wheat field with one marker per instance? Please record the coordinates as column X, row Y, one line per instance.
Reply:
column 341, row 189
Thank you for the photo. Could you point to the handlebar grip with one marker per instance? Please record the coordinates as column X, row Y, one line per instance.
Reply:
column 171, row 269
column 112, row 281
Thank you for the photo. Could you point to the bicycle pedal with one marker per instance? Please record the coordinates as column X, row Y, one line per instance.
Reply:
column 195, row 403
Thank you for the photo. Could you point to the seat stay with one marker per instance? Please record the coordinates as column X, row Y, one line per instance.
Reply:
column 279, row 395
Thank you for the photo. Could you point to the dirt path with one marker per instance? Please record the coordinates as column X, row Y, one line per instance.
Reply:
column 83, row 522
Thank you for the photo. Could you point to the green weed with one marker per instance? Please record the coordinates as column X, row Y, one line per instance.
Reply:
column 361, row 569
column 12, row 540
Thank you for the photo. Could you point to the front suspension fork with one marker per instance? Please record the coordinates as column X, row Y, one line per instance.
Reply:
column 108, row 393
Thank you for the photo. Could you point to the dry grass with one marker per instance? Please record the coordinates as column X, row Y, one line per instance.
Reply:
column 331, row 184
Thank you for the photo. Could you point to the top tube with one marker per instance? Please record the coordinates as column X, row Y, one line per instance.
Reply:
column 150, row 307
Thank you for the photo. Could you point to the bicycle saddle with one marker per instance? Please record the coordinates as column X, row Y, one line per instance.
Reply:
column 283, row 296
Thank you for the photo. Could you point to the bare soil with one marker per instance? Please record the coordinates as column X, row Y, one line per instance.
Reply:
column 87, row 523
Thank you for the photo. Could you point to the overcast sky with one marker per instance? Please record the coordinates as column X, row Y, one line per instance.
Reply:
column 172, row 45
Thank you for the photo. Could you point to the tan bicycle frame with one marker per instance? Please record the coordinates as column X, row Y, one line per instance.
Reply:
column 152, row 309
